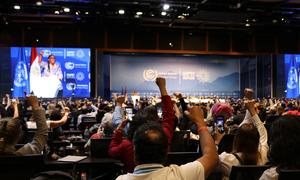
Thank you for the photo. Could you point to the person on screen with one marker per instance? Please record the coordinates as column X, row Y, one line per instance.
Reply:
column 50, row 69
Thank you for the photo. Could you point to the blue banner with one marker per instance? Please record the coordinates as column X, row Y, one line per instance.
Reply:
column 192, row 75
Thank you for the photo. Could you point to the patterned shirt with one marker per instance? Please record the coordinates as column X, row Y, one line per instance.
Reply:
column 51, row 70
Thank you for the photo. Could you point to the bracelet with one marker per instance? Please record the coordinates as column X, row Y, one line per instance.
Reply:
column 203, row 128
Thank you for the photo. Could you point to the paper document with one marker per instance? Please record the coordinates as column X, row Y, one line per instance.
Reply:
column 72, row 158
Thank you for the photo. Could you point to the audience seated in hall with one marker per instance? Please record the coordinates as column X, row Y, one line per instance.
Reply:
column 244, row 120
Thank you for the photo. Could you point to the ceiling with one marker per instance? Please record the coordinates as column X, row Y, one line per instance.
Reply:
column 181, row 13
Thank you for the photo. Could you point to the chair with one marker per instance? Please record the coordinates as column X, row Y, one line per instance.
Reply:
column 99, row 147
column 53, row 175
column 87, row 122
column 247, row 172
column 289, row 174
column 20, row 167
column 180, row 158
column 180, row 141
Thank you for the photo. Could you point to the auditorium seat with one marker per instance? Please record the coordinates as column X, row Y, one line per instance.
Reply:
column 180, row 141
column 87, row 122
column 99, row 147
column 247, row 172
column 20, row 167
column 288, row 174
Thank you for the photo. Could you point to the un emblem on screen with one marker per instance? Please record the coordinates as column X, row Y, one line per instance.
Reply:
column 150, row 75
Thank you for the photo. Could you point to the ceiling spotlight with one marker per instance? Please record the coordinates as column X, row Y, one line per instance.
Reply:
column 56, row 12
column 86, row 13
column 185, row 14
column 247, row 20
column 203, row 1
column 152, row 15
column 247, row 24
column 163, row 13
column 188, row 7
column 66, row 9
column 17, row 7
column 139, row 13
column 38, row 3
column 171, row 44
column 180, row 17
column 121, row 11
column 274, row 21
column 282, row 19
column 166, row 6
column 77, row 13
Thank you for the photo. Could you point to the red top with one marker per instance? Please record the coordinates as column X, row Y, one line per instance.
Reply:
column 293, row 112
column 123, row 148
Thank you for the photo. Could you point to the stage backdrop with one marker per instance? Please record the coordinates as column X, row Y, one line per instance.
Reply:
column 192, row 75
column 74, row 63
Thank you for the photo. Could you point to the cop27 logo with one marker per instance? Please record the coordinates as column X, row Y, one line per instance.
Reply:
column 71, row 86
column 150, row 74
column 69, row 65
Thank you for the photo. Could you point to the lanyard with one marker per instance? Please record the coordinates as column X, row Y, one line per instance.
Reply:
column 146, row 169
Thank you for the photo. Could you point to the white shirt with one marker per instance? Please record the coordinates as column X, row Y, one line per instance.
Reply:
column 190, row 171
column 227, row 160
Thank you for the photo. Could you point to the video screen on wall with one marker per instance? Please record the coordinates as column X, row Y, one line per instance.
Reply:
column 191, row 75
column 50, row 72
column 292, row 75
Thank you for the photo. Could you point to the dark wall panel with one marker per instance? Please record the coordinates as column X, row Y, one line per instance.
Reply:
column 218, row 40
column 119, row 38
column 11, row 36
column 170, row 40
column 287, row 42
column 144, row 39
column 65, row 37
column 241, row 41
column 34, row 36
column 265, row 43
column 194, row 40
column 92, row 37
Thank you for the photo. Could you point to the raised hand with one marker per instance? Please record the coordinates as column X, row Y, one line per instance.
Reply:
column 196, row 115
column 33, row 101
column 178, row 95
column 248, row 93
column 250, row 105
column 161, row 83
